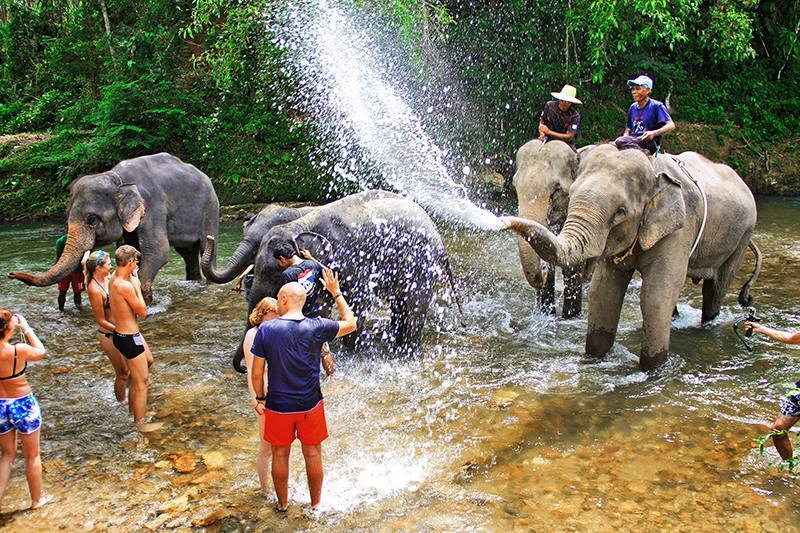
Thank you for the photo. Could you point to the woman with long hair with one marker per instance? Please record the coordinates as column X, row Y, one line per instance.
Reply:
column 97, row 270
column 266, row 309
column 19, row 411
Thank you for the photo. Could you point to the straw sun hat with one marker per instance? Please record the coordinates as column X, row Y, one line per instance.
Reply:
column 567, row 94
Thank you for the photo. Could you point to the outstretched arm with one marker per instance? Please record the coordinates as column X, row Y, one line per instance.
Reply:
column 780, row 336
column 347, row 324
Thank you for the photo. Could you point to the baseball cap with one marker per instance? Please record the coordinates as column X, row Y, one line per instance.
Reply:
column 645, row 81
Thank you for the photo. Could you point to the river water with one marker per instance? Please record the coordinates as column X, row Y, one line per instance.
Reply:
column 501, row 424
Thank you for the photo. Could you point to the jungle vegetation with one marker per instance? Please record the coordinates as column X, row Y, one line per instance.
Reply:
column 86, row 83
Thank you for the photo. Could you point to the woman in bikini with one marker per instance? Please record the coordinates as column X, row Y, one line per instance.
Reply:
column 266, row 309
column 19, row 410
column 97, row 269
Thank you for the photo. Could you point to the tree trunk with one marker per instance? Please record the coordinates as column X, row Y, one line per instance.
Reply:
column 108, row 30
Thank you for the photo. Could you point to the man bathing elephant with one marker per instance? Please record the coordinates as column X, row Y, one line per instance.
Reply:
column 679, row 216
column 151, row 202
column 384, row 247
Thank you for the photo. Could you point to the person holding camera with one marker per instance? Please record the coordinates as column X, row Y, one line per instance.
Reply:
column 290, row 347
column 790, row 410
column 20, row 415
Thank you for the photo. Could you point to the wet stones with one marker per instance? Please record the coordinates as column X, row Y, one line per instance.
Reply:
column 184, row 463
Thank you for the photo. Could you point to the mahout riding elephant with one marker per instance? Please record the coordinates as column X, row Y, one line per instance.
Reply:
column 151, row 202
column 679, row 216
column 384, row 247
column 545, row 172
column 245, row 254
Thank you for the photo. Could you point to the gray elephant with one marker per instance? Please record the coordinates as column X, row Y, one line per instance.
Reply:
column 680, row 216
column 245, row 253
column 385, row 249
column 545, row 172
column 151, row 202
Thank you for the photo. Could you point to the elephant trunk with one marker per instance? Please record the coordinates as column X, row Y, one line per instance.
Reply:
column 237, row 263
column 535, row 270
column 572, row 247
column 80, row 239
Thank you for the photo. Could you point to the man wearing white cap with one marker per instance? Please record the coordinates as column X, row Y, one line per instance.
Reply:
column 648, row 119
column 560, row 119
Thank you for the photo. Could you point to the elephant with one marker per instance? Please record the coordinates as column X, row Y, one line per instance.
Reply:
column 545, row 172
column 676, row 217
column 151, row 202
column 272, row 215
column 385, row 249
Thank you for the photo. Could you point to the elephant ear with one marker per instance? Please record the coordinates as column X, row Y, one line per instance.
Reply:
column 319, row 246
column 130, row 206
column 664, row 213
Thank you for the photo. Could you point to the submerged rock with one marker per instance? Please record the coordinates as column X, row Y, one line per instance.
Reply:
column 213, row 460
column 184, row 463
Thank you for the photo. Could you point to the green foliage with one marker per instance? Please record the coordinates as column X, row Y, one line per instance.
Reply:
column 791, row 465
column 204, row 80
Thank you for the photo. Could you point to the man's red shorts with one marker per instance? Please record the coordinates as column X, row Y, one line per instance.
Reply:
column 280, row 429
column 76, row 278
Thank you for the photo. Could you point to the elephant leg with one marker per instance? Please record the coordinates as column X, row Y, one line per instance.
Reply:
column 546, row 295
column 191, row 258
column 662, row 282
column 714, row 290
column 606, row 294
column 155, row 254
column 408, row 319
column 573, row 291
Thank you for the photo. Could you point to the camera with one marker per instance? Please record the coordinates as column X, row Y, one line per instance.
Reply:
column 751, row 317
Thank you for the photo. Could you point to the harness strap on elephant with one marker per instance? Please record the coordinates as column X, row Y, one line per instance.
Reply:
column 682, row 166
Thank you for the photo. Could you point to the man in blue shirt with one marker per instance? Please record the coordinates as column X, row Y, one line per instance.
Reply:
column 290, row 347
column 648, row 119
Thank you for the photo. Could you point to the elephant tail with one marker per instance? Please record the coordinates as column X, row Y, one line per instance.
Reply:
column 453, row 289
column 745, row 299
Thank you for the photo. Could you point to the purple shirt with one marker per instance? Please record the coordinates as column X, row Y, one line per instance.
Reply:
column 650, row 117
column 292, row 349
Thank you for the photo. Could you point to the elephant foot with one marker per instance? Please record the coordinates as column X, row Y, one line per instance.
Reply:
column 652, row 361
column 599, row 342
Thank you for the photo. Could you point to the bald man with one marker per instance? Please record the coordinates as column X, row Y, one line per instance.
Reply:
column 293, row 406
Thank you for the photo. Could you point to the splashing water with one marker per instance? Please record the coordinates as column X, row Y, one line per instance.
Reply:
column 343, row 87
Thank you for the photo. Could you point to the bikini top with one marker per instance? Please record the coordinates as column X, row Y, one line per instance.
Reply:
column 14, row 373
column 107, row 301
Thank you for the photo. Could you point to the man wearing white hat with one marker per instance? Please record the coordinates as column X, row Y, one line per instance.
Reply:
column 560, row 119
column 648, row 119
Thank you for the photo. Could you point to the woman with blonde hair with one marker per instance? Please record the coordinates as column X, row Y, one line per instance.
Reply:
column 19, row 411
column 97, row 270
column 266, row 309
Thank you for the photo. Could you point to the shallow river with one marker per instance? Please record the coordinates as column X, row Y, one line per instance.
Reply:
column 501, row 424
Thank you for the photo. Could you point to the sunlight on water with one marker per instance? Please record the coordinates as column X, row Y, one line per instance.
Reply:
column 347, row 92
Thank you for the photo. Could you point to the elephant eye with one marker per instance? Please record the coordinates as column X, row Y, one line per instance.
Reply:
column 557, row 188
column 621, row 212
column 92, row 220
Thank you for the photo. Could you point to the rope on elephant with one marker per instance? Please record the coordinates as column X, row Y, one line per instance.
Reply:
column 682, row 166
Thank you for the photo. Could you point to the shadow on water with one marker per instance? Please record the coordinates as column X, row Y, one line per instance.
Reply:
column 501, row 424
